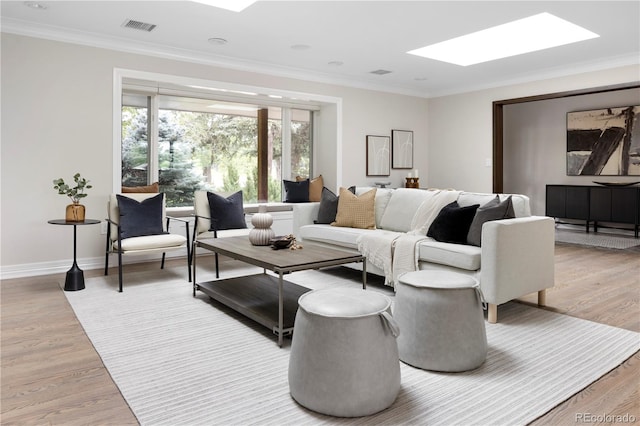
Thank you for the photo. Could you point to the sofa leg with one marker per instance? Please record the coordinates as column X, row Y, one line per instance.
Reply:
column 492, row 313
column 542, row 298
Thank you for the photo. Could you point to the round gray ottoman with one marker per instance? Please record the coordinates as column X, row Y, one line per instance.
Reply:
column 440, row 315
column 344, row 356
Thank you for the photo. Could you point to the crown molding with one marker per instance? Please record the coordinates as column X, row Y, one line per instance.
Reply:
column 23, row 28
column 549, row 73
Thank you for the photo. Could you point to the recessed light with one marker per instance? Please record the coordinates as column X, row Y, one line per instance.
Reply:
column 526, row 35
column 217, row 41
column 35, row 5
column 233, row 5
column 335, row 63
column 301, row 47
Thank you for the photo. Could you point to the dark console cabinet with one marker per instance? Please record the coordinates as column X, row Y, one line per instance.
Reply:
column 568, row 202
column 595, row 204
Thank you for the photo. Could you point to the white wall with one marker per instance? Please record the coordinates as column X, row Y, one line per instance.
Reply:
column 57, row 120
column 535, row 142
column 460, row 132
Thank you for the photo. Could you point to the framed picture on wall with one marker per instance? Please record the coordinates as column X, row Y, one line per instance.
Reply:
column 603, row 142
column 378, row 155
column 401, row 149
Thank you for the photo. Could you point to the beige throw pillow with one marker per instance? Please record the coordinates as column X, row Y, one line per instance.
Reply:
column 356, row 211
column 315, row 187
column 154, row 187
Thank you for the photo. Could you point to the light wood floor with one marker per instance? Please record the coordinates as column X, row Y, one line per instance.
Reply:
column 51, row 374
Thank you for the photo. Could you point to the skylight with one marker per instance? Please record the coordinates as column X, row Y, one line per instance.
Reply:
column 233, row 5
column 526, row 35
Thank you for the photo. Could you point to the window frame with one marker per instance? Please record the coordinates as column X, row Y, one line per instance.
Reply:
column 290, row 98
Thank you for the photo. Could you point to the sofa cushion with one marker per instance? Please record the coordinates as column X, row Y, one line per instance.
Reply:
column 329, row 206
column 315, row 187
column 452, row 223
column 521, row 206
column 354, row 211
column 296, row 192
column 401, row 208
column 383, row 195
column 454, row 255
column 493, row 210
column 335, row 235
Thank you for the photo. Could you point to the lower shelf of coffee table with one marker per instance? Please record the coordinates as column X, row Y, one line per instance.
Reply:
column 256, row 297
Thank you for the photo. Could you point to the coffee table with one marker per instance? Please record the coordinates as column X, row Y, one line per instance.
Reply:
column 267, row 299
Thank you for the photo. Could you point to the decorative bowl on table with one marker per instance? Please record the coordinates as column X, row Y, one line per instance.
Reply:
column 282, row 242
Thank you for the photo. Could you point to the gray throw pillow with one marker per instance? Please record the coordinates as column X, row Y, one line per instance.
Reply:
column 493, row 210
column 329, row 206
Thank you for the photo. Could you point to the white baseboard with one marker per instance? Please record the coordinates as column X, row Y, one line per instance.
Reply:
column 86, row 264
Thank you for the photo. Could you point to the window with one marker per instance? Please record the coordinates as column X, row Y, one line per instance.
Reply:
column 209, row 144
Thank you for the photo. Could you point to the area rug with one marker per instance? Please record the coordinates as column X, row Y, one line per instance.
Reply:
column 180, row 360
column 593, row 239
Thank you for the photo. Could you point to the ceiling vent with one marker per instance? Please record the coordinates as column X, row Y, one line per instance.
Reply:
column 137, row 25
column 381, row 72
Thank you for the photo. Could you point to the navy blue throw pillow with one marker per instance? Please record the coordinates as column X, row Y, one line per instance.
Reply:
column 452, row 223
column 140, row 218
column 296, row 192
column 226, row 213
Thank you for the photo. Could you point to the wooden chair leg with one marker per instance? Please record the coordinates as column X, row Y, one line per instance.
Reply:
column 492, row 313
column 542, row 298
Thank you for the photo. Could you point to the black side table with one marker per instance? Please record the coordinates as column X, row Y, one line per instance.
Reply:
column 75, row 276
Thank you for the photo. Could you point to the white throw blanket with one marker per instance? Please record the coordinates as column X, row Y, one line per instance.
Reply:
column 377, row 247
column 396, row 253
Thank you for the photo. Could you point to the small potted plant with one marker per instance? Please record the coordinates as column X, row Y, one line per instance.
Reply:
column 75, row 212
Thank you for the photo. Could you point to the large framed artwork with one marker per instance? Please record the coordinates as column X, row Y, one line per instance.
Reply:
column 401, row 149
column 604, row 142
column 378, row 155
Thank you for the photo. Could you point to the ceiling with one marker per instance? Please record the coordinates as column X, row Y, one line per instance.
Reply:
column 340, row 42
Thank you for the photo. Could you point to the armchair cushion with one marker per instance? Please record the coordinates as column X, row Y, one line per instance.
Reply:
column 154, row 187
column 226, row 213
column 139, row 218
column 152, row 242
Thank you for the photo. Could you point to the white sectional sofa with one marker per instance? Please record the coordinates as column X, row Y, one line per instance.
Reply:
column 516, row 256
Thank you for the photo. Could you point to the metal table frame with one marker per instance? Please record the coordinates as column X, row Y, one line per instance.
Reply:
column 230, row 247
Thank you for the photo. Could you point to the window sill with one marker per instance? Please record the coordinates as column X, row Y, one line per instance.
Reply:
column 248, row 208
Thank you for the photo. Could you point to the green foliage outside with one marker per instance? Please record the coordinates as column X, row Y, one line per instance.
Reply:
column 206, row 151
